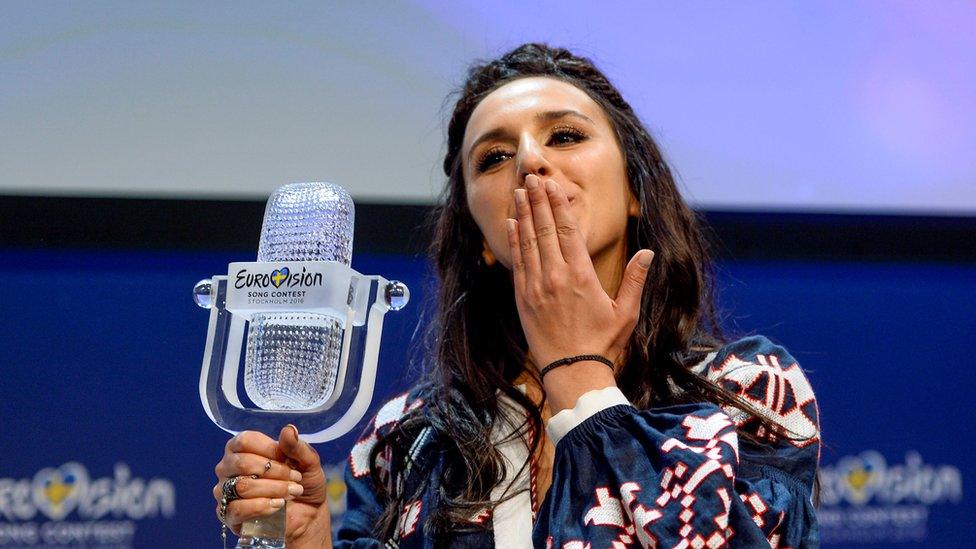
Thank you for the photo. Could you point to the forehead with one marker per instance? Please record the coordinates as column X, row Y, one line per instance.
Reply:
column 516, row 101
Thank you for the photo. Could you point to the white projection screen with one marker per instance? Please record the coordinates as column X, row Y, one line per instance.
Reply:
column 783, row 106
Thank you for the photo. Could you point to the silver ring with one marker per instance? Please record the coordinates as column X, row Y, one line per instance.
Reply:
column 267, row 467
column 229, row 490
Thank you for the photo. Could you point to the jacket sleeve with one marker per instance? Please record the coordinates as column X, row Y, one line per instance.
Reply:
column 362, row 512
column 363, row 507
column 680, row 476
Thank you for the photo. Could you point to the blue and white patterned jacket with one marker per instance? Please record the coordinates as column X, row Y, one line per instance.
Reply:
column 676, row 476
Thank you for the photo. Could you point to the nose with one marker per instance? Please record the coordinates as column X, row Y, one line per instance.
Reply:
column 531, row 159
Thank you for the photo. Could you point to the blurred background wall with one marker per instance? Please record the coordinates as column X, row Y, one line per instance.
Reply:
column 829, row 146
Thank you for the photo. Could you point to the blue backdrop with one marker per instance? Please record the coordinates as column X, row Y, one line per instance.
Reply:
column 103, row 441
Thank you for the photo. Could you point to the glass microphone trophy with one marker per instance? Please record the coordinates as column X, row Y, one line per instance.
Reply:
column 313, row 330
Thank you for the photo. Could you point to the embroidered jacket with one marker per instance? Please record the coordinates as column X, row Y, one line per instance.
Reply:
column 676, row 476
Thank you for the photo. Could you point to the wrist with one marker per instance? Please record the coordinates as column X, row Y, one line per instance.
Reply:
column 587, row 405
column 565, row 384
column 318, row 539
column 316, row 535
column 565, row 361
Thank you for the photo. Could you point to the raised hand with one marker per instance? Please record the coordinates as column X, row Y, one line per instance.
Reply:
column 563, row 308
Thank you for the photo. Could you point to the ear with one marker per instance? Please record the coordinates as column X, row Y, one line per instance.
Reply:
column 633, row 206
column 488, row 256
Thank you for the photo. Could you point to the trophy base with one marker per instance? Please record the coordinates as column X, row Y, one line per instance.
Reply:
column 264, row 533
column 252, row 542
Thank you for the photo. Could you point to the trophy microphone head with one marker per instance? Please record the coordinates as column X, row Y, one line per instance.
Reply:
column 292, row 358
column 308, row 222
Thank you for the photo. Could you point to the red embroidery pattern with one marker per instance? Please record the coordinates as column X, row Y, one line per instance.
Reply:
column 782, row 393
column 757, row 509
column 533, row 473
column 409, row 517
column 679, row 485
column 386, row 418
column 572, row 544
column 481, row 517
column 625, row 514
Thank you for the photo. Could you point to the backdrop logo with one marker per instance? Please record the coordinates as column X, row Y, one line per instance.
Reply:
column 335, row 490
column 866, row 499
column 57, row 493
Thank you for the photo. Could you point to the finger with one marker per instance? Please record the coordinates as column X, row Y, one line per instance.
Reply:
column 249, row 488
column 222, row 517
column 632, row 285
column 545, row 226
column 518, row 267
column 567, row 229
column 298, row 452
column 242, row 510
column 528, row 242
column 253, row 442
column 235, row 465
column 300, row 455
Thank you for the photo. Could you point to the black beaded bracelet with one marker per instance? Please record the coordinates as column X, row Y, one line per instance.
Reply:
column 572, row 359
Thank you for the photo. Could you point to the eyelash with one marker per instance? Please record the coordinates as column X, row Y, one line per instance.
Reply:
column 489, row 157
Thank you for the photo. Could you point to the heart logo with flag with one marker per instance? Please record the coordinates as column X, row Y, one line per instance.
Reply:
column 57, row 491
column 862, row 475
column 278, row 276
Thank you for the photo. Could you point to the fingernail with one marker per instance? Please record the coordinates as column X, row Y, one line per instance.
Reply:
column 520, row 196
column 551, row 186
column 645, row 258
column 531, row 182
column 295, row 476
column 295, row 489
column 293, row 428
column 277, row 503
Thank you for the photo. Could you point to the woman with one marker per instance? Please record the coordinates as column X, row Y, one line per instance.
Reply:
column 562, row 247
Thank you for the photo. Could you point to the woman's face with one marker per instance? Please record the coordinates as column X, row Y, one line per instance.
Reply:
column 546, row 127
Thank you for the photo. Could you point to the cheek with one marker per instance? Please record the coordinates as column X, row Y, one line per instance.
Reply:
column 489, row 209
column 601, row 176
column 599, row 169
column 496, row 236
column 483, row 205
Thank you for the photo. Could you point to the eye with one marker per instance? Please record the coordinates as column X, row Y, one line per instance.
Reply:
column 561, row 135
column 490, row 157
column 565, row 135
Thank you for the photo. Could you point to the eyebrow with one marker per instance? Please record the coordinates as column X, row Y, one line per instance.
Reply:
column 547, row 116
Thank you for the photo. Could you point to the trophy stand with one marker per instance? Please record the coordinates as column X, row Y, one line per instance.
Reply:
column 360, row 301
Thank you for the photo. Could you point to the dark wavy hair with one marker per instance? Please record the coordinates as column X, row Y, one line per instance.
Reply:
column 475, row 341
